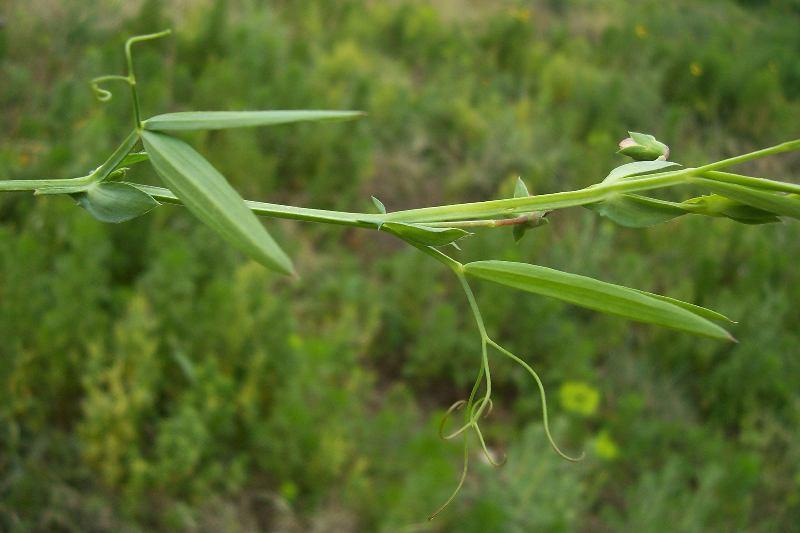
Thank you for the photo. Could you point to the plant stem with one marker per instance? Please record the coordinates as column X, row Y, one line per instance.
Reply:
column 533, row 218
column 584, row 196
column 559, row 200
column 749, row 181
column 467, row 214
column 787, row 146
column 359, row 220
column 32, row 185
column 131, row 76
column 62, row 186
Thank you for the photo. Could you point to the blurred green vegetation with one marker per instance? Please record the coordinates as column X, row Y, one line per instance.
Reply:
column 151, row 378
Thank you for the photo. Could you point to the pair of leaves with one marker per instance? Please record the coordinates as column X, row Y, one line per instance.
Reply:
column 206, row 192
column 601, row 296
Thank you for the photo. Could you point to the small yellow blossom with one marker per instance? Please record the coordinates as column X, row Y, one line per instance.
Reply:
column 605, row 447
column 696, row 69
column 579, row 397
column 521, row 14
column 640, row 31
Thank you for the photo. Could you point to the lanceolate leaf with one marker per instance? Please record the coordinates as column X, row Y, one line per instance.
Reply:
column 378, row 205
column 636, row 211
column 520, row 189
column 637, row 168
column 696, row 309
column 209, row 196
column 595, row 294
column 779, row 204
column 424, row 234
column 217, row 120
column 115, row 202
column 133, row 158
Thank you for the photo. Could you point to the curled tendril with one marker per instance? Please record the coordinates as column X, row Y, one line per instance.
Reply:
column 539, row 384
column 453, row 408
column 487, row 401
column 104, row 95
column 101, row 95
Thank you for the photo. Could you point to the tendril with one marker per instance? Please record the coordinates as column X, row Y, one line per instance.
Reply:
column 486, row 451
column 104, row 95
column 453, row 408
column 460, row 482
column 539, row 384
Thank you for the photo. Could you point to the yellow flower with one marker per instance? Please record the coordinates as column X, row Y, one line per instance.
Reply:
column 521, row 14
column 640, row 31
column 605, row 447
column 696, row 69
column 579, row 397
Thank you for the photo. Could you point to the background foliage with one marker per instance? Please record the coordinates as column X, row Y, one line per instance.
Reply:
column 152, row 378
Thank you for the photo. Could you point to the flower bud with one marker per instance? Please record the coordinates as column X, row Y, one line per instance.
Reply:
column 643, row 147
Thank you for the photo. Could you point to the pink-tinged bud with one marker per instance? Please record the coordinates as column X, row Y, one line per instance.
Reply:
column 643, row 147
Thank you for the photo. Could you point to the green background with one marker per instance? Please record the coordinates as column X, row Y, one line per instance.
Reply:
column 152, row 378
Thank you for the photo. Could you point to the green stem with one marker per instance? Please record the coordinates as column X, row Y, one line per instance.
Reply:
column 131, row 75
column 359, row 220
column 536, row 218
column 787, row 146
column 63, row 186
column 579, row 197
column 32, row 185
column 749, row 181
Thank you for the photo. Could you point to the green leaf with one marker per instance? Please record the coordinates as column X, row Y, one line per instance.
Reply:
column 594, row 294
column 379, row 205
column 425, row 235
column 217, row 120
column 714, row 205
column 635, row 211
column 209, row 196
column 696, row 309
column 519, row 232
column 779, row 204
column 637, row 168
column 521, row 190
column 133, row 158
column 115, row 202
